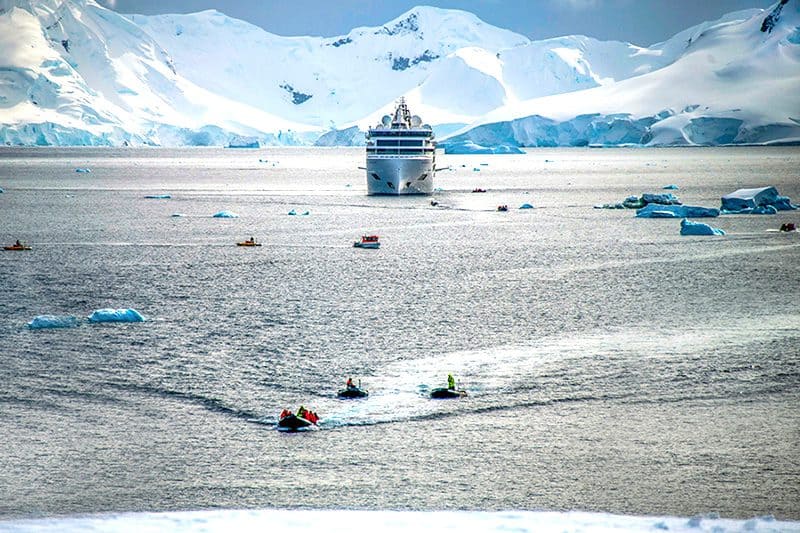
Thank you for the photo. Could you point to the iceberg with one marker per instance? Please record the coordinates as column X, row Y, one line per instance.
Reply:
column 748, row 201
column 177, row 215
column 1, row 190
column 292, row 212
column 116, row 315
column 225, row 214
column 666, row 198
column 158, row 196
column 671, row 187
column 698, row 228
column 633, row 202
column 526, row 206
column 53, row 321
column 682, row 211
column 83, row 170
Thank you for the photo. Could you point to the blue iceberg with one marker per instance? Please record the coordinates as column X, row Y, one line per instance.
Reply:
column 53, row 321
column 754, row 201
column 526, row 206
column 680, row 211
column 116, row 315
column 670, row 187
column 660, row 213
column 698, row 228
column 158, row 196
column 83, row 170
column 292, row 212
column 225, row 214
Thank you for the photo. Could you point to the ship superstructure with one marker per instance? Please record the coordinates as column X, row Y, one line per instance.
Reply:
column 401, row 155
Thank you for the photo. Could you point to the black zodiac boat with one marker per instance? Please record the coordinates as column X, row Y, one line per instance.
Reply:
column 292, row 422
column 352, row 392
column 443, row 393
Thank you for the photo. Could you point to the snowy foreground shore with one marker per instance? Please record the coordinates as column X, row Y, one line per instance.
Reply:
column 347, row 521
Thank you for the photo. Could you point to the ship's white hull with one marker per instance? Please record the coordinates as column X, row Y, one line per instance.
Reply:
column 400, row 175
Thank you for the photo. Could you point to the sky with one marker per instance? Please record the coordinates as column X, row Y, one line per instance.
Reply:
column 642, row 22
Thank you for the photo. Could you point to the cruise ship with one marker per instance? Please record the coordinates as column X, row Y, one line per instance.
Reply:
column 401, row 155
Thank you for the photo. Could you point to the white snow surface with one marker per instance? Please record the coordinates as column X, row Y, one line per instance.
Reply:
column 75, row 72
column 732, row 83
column 392, row 521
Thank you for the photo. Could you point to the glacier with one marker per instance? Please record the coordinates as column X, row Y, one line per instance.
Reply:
column 115, row 315
column 73, row 72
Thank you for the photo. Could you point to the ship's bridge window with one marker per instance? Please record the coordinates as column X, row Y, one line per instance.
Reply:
column 404, row 142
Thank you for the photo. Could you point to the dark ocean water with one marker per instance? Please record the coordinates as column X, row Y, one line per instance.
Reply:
column 612, row 364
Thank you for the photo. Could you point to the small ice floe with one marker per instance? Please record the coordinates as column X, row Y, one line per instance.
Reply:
column 698, row 228
column 225, row 214
column 292, row 212
column 1, row 190
column 679, row 211
column 758, row 201
column 116, row 315
column 526, row 206
column 82, row 170
column 158, row 196
column 53, row 321
column 176, row 215
column 670, row 187
column 476, row 169
column 306, row 213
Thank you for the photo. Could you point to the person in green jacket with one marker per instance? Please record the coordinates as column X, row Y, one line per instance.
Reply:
column 451, row 382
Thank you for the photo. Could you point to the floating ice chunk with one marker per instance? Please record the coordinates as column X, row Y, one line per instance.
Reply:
column 749, row 198
column 682, row 211
column 666, row 198
column 292, row 212
column 53, row 321
column 610, row 206
column 83, row 170
column 1, row 190
column 178, row 215
column 663, row 214
column 526, row 206
column 633, row 202
column 698, row 228
column 116, row 315
column 158, row 196
column 225, row 214
column 671, row 187
column 752, row 201
column 476, row 169
column 306, row 213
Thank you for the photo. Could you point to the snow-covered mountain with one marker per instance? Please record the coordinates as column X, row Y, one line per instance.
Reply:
column 74, row 72
column 733, row 82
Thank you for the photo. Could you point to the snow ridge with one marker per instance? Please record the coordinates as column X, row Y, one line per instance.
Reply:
column 75, row 72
